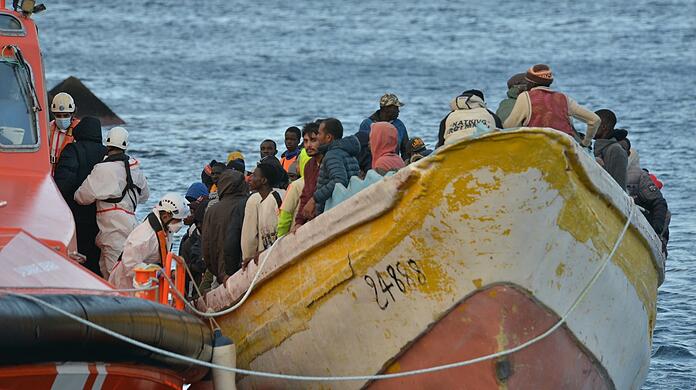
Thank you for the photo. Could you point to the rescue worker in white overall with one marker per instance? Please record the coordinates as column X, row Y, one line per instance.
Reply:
column 118, row 186
column 61, row 128
column 151, row 240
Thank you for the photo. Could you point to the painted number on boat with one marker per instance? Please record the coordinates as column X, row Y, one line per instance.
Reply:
column 399, row 277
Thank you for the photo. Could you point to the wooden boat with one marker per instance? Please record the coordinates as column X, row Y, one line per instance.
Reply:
column 40, row 348
column 476, row 249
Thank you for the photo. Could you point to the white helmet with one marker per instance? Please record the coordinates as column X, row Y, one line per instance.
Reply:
column 117, row 137
column 175, row 204
column 63, row 102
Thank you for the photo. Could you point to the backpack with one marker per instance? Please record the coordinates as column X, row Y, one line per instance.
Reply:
column 130, row 187
column 277, row 197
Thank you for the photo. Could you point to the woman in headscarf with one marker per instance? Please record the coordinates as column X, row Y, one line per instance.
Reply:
column 383, row 145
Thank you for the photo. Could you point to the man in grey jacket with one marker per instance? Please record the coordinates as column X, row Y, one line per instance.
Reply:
column 607, row 150
column 338, row 165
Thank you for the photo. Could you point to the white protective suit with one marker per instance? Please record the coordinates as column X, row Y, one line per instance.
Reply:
column 142, row 246
column 115, row 220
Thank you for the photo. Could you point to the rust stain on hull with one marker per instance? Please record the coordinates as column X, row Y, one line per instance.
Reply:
column 491, row 320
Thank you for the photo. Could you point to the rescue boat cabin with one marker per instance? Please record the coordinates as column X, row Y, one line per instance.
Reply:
column 30, row 203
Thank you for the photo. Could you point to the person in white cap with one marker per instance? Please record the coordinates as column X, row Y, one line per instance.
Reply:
column 61, row 128
column 117, row 185
column 151, row 240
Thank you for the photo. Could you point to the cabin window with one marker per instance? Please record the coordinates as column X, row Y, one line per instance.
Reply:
column 9, row 25
column 17, row 117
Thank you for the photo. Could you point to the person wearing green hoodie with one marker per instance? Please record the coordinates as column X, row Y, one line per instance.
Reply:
column 516, row 85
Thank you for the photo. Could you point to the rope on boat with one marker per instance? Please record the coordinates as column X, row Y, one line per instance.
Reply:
column 213, row 324
column 212, row 314
column 173, row 355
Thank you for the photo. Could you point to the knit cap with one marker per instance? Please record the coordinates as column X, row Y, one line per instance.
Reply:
column 540, row 74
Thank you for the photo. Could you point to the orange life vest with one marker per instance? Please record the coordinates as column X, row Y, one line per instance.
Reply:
column 59, row 139
column 156, row 225
column 287, row 162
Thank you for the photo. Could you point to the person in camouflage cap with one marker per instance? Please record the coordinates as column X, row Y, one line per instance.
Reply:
column 389, row 105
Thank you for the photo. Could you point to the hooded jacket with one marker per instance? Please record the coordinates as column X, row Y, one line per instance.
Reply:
column 613, row 157
column 383, row 141
column 338, row 166
column 646, row 195
column 404, row 144
column 505, row 107
column 223, row 223
column 78, row 159
column 75, row 163
column 467, row 112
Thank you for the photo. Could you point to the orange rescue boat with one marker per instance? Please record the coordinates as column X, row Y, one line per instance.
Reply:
column 42, row 348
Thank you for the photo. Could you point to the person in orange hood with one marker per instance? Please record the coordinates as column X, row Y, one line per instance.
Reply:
column 383, row 141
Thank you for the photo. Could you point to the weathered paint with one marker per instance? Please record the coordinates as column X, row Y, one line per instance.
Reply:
column 491, row 320
column 317, row 314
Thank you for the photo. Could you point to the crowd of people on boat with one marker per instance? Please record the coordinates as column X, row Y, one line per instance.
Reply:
column 232, row 215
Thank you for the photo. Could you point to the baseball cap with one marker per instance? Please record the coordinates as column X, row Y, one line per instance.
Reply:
column 389, row 99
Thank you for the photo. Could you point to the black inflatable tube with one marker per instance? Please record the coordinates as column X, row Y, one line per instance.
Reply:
column 32, row 333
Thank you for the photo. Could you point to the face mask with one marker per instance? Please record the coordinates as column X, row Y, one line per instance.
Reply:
column 175, row 226
column 63, row 123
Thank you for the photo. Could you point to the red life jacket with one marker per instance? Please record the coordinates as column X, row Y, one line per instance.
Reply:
column 549, row 109
column 655, row 180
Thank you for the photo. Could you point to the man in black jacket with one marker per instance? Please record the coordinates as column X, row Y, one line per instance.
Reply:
column 646, row 193
column 74, row 165
column 607, row 150
column 222, row 224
